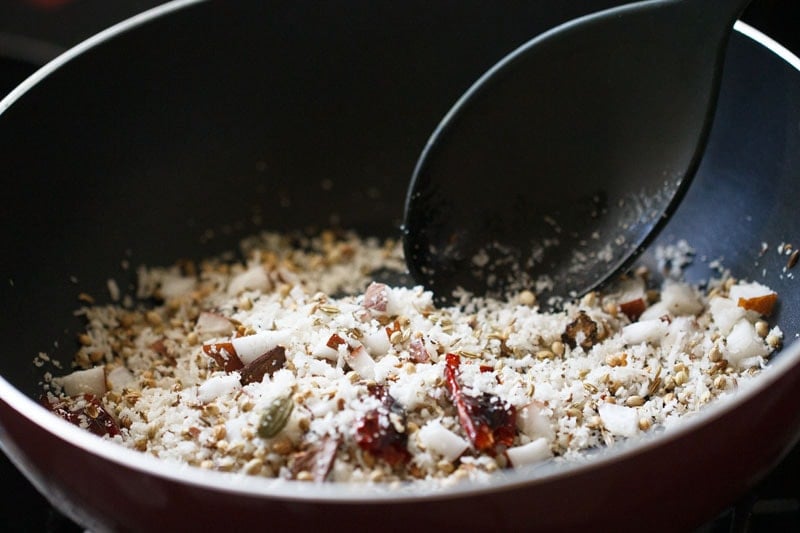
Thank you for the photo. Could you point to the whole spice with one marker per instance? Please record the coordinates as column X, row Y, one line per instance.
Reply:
column 793, row 259
column 86, row 411
column 487, row 420
column 382, row 431
column 275, row 417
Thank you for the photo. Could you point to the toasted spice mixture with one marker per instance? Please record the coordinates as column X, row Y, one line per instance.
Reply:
column 297, row 364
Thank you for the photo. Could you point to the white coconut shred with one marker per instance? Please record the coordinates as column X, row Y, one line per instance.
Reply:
column 296, row 364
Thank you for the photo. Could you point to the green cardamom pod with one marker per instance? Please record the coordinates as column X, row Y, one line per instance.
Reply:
column 274, row 417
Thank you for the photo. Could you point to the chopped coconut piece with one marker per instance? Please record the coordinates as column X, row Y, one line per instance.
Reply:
column 214, row 324
column 533, row 452
column 377, row 342
column 620, row 420
column 251, row 347
column 91, row 381
column 725, row 313
column 754, row 296
column 534, row 423
column 440, row 440
column 360, row 361
column 176, row 286
column 252, row 279
column 217, row 386
column 743, row 342
column 644, row 331
column 120, row 378
column 680, row 299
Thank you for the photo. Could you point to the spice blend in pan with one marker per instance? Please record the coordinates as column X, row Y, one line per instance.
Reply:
column 296, row 363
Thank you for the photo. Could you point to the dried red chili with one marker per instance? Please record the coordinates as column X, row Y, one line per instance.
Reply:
column 317, row 460
column 86, row 412
column 378, row 432
column 487, row 420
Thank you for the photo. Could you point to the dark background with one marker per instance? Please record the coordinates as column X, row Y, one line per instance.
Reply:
column 34, row 31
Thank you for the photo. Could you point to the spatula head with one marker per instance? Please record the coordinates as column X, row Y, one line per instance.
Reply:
column 562, row 162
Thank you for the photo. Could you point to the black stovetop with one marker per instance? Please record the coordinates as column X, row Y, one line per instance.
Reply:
column 33, row 31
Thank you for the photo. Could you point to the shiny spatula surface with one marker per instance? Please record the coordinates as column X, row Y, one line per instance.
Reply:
column 559, row 165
